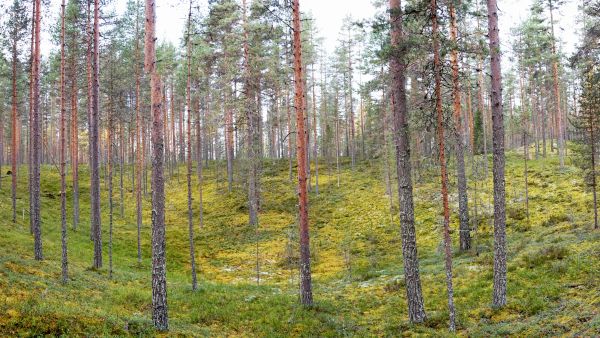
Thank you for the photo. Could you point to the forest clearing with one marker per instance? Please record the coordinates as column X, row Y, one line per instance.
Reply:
column 234, row 172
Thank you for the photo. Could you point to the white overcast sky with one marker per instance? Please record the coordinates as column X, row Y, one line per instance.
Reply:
column 329, row 14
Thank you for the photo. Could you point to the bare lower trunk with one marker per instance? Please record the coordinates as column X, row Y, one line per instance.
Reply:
column 499, row 294
column 139, row 152
column 463, row 199
column 441, row 145
column 253, row 138
column 159, row 263
column 15, row 141
column 189, row 153
column 63, row 165
column 306, row 296
column 36, row 141
column 414, row 295
column 95, row 148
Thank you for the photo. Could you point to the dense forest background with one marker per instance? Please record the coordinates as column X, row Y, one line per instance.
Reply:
column 432, row 173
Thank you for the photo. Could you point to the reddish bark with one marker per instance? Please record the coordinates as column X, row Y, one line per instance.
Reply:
column 306, row 296
column 159, row 268
column 442, row 149
column 463, row 200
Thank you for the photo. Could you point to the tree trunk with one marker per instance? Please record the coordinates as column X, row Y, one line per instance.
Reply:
column 199, row 137
column 36, row 140
column 95, row 149
column 159, row 267
column 74, row 134
column 306, row 296
column 15, row 141
column 188, row 92
column 315, row 139
column 559, row 122
column 139, row 152
column 414, row 295
column 442, row 147
column 499, row 293
column 31, row 122
column 110, row 164
column 463, row 199
column 63, row 165
column 252, row 129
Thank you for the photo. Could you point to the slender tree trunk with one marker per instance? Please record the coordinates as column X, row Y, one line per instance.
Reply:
column 95, row 149
column 174, row 141
column 337, row 136
column 591, row 120
column 188, row 92
column 289, row 129
column 110, row 163
column 74, row 134
column 252, row 130
column 31, row 122
column 200, row 125
column 315, row 139
column 15, row 140
column 559, row 122
column 36, row 140
column 122, row 147
column 159, row 266
column 139, row 153
column 499, row 293
column 306, row 296
column 414, row 295
column 593, row 157
column 63, row 165
column 442, row 146
column 463, row 199
column 229, row 142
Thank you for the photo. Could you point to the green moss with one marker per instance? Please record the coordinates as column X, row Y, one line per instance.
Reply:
column 356, row 260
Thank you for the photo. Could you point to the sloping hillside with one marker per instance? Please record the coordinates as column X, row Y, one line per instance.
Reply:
column 553, row 268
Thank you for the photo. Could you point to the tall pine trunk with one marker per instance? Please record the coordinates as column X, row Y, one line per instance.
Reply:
column 188, row 92
column 306, row 296
column 414, row 294
column 159, row 263
column 499, row 293
column 441, row 145
column 139, row 154
column 63, row 165
column 252, row 131
column 36, row 140
column 463, row 199
column 95, row 146
column 15, row 140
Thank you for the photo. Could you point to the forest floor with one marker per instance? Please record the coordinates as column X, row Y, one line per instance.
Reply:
column 553, row 259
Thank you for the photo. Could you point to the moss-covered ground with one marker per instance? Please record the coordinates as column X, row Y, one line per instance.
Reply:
column 553, row 259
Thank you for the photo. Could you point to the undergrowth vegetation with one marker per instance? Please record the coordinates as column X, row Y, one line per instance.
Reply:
column 553, row 259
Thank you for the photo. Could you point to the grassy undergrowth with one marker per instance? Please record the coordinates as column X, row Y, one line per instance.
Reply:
column 553, row 260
